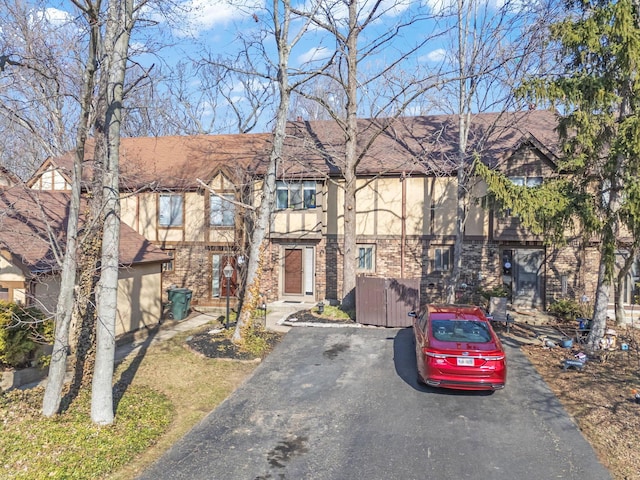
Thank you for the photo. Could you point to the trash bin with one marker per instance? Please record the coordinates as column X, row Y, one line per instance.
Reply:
column 180, row 299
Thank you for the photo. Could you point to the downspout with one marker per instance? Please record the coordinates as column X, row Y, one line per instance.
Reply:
column 403, row 233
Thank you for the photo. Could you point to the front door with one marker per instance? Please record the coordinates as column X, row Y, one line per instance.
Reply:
column 219, row 281
column 293, row 271
column 527, row 277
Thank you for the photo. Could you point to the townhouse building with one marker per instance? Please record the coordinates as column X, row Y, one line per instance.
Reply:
column 193, row 197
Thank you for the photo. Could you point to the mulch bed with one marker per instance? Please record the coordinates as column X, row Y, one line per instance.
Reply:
column 214, row 344
column 309, row 316
column 219, row 345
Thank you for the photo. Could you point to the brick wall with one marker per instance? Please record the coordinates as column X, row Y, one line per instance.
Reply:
column 482, row 268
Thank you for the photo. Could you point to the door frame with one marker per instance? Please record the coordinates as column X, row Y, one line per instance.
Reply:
column 536, row 298
column 308, row 280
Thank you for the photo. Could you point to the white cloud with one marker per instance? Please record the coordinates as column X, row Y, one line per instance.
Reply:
column 440, row 6
column 436, row 55
column 52, row 16
column 314, row 54
column 55, row 16
column 446, row 7
column 203, row 15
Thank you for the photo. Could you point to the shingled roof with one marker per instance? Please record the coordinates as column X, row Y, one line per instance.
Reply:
column 176, row 162
column 423, row 144
column 31, row 220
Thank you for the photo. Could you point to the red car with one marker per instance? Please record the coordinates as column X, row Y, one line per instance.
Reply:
column 456, row 347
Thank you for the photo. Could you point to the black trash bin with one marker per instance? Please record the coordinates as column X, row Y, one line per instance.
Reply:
column 180, row 299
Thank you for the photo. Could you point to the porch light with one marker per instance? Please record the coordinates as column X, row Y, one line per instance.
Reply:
column 227, row 271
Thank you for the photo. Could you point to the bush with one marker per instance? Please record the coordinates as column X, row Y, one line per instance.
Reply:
column 568, row 310
column 258, row 341
column 22, row 331
column 499, row 291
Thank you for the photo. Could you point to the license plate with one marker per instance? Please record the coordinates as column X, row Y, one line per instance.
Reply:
column 465, row 362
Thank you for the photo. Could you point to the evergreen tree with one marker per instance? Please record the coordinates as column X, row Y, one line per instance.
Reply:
column 599, row 126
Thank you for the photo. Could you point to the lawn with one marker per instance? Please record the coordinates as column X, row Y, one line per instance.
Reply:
column 165, row 390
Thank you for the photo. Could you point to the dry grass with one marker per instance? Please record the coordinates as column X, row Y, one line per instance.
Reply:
column 194, row 384
column 600, row 399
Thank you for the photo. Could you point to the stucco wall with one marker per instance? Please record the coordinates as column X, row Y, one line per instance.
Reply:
column 9, row 272
column 139, row 297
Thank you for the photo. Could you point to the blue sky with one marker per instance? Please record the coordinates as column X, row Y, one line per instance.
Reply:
column 218, row 22
column 217, row 25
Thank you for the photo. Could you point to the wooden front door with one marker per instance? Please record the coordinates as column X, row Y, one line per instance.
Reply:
column 293, row 271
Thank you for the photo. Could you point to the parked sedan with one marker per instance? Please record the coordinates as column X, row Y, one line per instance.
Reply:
column 456, row 347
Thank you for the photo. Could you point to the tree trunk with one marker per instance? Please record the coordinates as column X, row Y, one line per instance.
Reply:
column 351, row 164
column 461, row 173
column 64, row 307
column 83, row 344
column 119, row 24
column 256, row 250
column 599, row 323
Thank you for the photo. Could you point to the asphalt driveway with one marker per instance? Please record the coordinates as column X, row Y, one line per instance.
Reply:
column 343, row 403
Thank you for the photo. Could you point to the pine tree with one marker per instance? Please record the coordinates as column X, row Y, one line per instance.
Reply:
column 599, row 126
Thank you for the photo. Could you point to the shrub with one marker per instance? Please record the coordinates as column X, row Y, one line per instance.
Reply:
column 337, row 313
column 22, row 331
column 499, row 291
column 568, row 310
column 255, row 342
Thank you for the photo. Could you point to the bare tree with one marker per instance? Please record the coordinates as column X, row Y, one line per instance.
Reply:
column 40, row 64
column 494, row 48
column 281, row 17
column 120, row 21
column 350, row 26
column 64, row 309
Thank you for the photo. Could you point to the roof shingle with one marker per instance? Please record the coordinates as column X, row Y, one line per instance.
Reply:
column 32, row 222
column 422, row 144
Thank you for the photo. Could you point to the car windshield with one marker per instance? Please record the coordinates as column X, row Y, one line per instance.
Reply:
column 453, row 330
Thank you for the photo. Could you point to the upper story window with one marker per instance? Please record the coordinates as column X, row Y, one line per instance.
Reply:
column 366, row 258
column 526, row 181
column 170, row 210
column 296, row 195
column 222, row 213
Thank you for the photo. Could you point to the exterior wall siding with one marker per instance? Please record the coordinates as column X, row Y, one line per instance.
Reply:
column 139, row 302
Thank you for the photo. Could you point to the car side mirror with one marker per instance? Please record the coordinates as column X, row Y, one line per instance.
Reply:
column 412, row 313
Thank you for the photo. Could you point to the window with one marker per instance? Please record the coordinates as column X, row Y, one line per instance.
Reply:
column 366, row 258
column 170, row 210
column 218, row 280
column 460, row 331
column 534, row 181
column 309, row 194
column 529, row 182
column 168, row 267
column 216, row 272
column 442, row 259
column 295, row 195
column 222, row 213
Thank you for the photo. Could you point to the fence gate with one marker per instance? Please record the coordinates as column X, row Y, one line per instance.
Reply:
column 386, row 302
